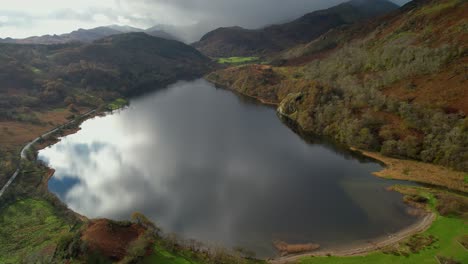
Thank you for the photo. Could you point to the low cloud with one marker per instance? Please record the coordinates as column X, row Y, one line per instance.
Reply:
column 26, row 18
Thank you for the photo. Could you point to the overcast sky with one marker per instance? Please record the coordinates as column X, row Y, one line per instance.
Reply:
column 23, row 18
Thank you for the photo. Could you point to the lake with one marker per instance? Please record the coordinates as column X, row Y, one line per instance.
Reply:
column 205, row 163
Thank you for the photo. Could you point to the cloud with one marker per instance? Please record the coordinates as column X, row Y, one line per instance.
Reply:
column 246, row 13
column 23, row 18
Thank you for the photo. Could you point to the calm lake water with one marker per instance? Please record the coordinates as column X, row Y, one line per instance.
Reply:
column 204, row 163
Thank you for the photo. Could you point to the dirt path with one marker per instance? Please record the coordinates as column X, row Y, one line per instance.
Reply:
column 363, row 249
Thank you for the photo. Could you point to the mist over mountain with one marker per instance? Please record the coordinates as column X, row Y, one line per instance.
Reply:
column 238, row 41
column 259, row 140
column 88, row 35
column 187, row 20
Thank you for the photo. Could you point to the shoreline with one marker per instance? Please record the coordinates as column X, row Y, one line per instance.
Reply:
column 360, row 248
column 25, row 148
column 375, row 244
column 256, row 98
column 351, row 249
column 418, row 172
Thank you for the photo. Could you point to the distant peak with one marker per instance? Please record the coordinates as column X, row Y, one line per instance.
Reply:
column 124, row 28
column 370, row 2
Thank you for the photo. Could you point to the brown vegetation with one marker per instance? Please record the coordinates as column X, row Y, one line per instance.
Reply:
column 236, row 41
column 111, row 239
column 269, row 85
column 451, row 205
column 287, row 249
column 17, row 133
column 420, row 172
column 413, row 245
column 445, row 89
column 395, row 90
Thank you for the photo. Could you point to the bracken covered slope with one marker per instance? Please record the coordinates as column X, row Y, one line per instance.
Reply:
column 237, row 41
column 399, row 86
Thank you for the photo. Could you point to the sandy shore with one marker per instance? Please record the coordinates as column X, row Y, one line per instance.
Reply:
column 394, row 168
column 416, row 171
column 365, row 248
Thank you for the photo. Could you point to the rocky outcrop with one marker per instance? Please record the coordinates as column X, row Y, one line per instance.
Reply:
column 296, row 108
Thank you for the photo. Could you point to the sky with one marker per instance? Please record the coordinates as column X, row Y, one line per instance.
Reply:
column 24, row 18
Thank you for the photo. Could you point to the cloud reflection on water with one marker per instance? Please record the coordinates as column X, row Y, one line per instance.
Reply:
column 206, row 165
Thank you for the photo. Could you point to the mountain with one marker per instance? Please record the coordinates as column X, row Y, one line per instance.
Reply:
column 124, row 64
column 237, row 41
column 396, row 84
column 125, row 29
column 160, row 33
column 86, row 35
column 135, row 60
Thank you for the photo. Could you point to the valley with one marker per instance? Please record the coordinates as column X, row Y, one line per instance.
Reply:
column 284, row 112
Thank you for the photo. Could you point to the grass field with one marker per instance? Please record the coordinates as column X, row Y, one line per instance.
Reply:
column 187, row 256
column 237, row 60
column 117, row 104
column 29, row 228
column 161, row 255
column 447, row 231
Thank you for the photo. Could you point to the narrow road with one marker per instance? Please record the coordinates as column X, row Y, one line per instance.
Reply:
column 23, row 153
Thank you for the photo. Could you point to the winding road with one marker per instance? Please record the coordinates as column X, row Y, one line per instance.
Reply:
column 24, row 150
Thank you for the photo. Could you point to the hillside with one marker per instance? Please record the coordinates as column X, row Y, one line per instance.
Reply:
column 86, row 35
column 397, row 86
column 72, row 77
column 393, row 87
column 35, row 78
column 237, row 41
column 134, row 61
column 45, row 86
column 127, row 60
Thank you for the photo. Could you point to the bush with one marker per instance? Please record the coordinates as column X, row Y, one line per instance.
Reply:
column 138, row 248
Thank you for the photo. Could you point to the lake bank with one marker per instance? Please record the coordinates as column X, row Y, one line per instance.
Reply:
column 351, row 250
column 366, row 247
column 354, row 249
column 398, row 169
column 241, row 131
column 76, row 131
column 415, row 171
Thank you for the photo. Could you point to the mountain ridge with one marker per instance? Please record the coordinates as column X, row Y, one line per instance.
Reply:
column 237, row 41
column 397, row 86
column 86, row 35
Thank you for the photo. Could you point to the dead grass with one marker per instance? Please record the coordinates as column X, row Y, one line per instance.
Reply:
column 269, row 85
column 15, row 134
column 111, row 238
column 451, row 205
column 446, row 89
column 287, row 249
column 420, row 172
column 464, row 241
